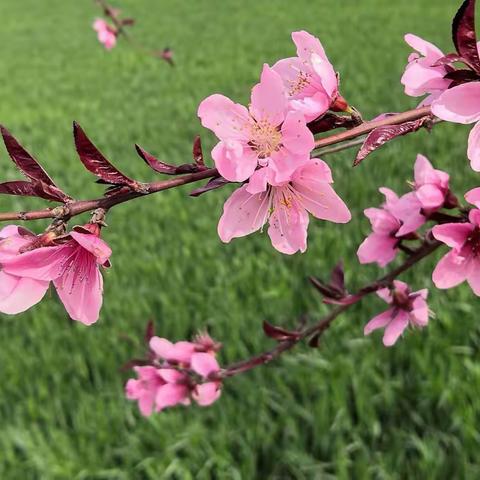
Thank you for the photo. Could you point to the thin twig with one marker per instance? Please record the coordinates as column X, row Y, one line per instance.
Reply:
column 317, row 329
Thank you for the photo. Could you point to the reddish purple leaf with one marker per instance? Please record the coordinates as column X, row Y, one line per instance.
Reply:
column 448, row 60
column 96, row 163
column 314, row 341
column 464, row 35
column 149, row 331
column 337, row 278
column 23, row 160
column 41, row 184
column 279, row 333
column 154, row 163
column 327, row 290
column 21, row 187
column 198, row 152
column 212, row 184
column 381, row 135
column 127, row 21
column 330, row 121
column 462, row 76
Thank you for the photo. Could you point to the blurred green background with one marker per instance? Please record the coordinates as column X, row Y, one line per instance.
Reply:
column 351, row 409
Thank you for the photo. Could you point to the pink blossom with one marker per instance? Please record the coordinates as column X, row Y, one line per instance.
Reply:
column 107, row 35
column 462, row 262
column 406, row 308
column 17, row 293
column 431, row 185
column 461, row 104
column 285, row 206
column 72, row 263
column 310, row 80
column 267, row 134
column 381, row 245
column 421, row 77
column 181, row 373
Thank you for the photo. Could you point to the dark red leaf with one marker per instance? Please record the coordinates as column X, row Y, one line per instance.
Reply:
column 448, row 60
column 23, row 160
column 21, row 188
column 279, row 333
column 154, row 163
column 462, row 76
column 149, row 331
column 314, row 341
column 96, row 163
column 464, row 35
column 337, row 279
column 135, row 362
column 212, row 184
column 330, row 121
column 378, row 137
column 325, row 289
column 198, row 152
column 127, row 21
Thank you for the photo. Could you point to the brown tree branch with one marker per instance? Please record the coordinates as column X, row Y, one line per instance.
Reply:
column 81, row 206
column 318, row 329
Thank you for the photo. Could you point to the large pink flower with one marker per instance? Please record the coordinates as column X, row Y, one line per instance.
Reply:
column 266, row 134
column 285, row 206
column 17, row 293
column 405, row 308
column 73, row 266
column 461, row 104
column 463, row 261
column 107, row 35
column 381, row 245
column 310, row 80
column 421, row 77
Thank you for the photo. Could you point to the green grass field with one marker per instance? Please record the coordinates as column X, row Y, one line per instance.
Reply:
column 352, row 409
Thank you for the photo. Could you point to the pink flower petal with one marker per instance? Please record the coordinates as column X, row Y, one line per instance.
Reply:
column 419, row 313
column 453, row 234
column 234, row 162
column 296, row 137
column 377, row 248
column 459, row 104
column 474, row 147
column 80, row 289
column 395, row 328
column 473, row 197
column 206, row 393
column 427, row 49
column 328, row 77
column 450, row 271
column 269, row 102
column 379, row 321
column 473, row 277
column 19, row 294
column 288, row 228
column 204, row 364
column 307, row 45
column 93, row 244
column 228, row 120
column 243, row 213
column 170, row 395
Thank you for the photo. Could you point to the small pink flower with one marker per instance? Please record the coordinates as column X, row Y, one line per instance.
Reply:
column 310, row 80
column 431, row 185
column 405, row 308
column 182, row 372
column 145, row 388
column 421, row 77
column 73, row 266
column 461, row 104
column 17, row 293
column 266, row 134
column 107, row 35
column 285, row 206
column 381, row 245
column 463, row 261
